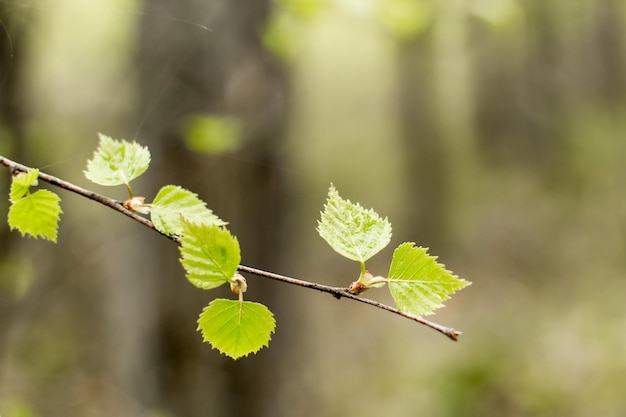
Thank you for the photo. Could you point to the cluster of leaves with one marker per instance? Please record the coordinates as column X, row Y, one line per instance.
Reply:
column 210, row 254
column 36, row 214
column 417, row 282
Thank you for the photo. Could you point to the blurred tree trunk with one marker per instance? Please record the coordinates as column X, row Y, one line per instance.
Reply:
column 11, row 55
column 11, row 135
column 223, row 71
column 426, row 160
column 436, row 101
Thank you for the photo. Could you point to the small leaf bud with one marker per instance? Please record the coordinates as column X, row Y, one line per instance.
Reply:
column 136, row 204
column 367, row 281
column 238, row 284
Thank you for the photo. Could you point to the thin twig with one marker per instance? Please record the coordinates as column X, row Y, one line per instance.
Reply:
column 337, row 292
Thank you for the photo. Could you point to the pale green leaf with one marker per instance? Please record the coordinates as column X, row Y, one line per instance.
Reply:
column 36, row 214
column 351, row 230
column 418, row 283
column 174, row 203
column 236, row 328
column 21, row 184
column 209, row 254
column 117, row 162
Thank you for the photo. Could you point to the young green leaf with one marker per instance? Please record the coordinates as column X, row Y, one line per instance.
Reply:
column 419, row 284
column 351, row 230
column 236, row 328
column 21, row 184
column 173, row 203
column 117, row 162
column 36, row 214
column 209, row 254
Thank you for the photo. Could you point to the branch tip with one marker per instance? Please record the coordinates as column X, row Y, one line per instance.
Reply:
column 454, row 334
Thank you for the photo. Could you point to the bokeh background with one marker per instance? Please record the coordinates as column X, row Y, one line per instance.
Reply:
column 491, row 131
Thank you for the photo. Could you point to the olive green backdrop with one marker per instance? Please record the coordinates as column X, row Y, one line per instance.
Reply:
column 491, row 131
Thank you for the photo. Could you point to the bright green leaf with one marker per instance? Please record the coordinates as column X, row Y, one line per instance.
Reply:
column 210, row 254
column 36, row 214
column 418, row 283
column 21, row 183
column 117, row 162
column 173, row 203
column 236, row 328
column 351, row 230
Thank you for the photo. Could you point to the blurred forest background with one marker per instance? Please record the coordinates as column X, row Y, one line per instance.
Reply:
column 491, row 131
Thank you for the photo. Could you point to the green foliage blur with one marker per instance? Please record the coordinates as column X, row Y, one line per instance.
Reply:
column 490, row 131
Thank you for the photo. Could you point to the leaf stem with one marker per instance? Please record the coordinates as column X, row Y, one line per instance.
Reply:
column 337, row 292
column 130, row 190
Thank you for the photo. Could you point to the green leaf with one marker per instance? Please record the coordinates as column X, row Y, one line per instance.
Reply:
column 36, row 214
column 210, row 254
column 21, row 183
column 174, row 203
column 236, row 328
column 117, row 162
column 418, row 283
column 351, row 230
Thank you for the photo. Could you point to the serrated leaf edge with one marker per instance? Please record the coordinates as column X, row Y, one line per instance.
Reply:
column 457, row 283
column 103, row 140
column 240, row 304
column 199, row 260
column 52, row 208
column 199, row 206
column 329, row 206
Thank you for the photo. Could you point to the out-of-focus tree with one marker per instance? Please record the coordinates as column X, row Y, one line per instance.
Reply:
column 200, row 79
column 214, row 124
column 490, row 130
